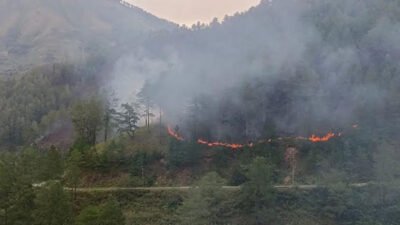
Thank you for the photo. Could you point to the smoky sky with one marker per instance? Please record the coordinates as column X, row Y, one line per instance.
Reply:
column 191, row 11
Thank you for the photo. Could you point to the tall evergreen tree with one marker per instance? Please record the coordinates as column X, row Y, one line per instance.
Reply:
column 206, row 203
column 87, row 120
column 109, row 213
column 73, row 170
column 146, row 98
column 53, row 206
column 16, row 192
column 53, row 164
column 258, row 194
column 127, row 119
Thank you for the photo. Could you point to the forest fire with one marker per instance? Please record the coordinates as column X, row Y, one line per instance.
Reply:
column 221, row 144
column 325, row 138
column 174, row 134
column 313, row 138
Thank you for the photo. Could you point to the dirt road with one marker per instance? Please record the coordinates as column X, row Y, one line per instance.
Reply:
column 186, row 188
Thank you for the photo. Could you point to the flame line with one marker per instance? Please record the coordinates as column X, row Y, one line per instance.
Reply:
column 174, row 134
column 313, row 138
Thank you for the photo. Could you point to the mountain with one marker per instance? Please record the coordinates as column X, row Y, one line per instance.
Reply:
column 294, row 67
column 35, row 32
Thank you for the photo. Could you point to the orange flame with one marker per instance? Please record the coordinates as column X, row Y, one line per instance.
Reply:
column 174, row 134
column 325, row 138
column 221, row 144
column 313, row 138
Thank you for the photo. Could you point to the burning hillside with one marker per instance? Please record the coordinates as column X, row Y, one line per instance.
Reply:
column 313, row 138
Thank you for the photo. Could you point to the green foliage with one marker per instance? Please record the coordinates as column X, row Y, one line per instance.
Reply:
column 38, row 101
column 140, row 160
column 257, row 195
column 238, row 177
column 127, row 119
column 358, row 43
column 53, row 206
column 88, row 216
column 207, row 203
column 87, row 120
column 386, row 160
column 52, row 167
column 109, row 213
column 73, row 170
column 140, row 168
column 112, row 156
column 16, row 192
column 181, row 153
column 32, row 164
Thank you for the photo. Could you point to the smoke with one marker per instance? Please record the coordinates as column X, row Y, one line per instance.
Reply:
column 283, row 64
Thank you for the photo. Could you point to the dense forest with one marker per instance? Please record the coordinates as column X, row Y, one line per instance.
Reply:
column 285, row 114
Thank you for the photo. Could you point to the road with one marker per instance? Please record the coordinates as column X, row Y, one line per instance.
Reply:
column 185, row 188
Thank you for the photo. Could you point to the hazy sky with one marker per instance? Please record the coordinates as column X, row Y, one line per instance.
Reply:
column 190, row 11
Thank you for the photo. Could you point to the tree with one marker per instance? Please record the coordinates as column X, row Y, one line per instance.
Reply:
column 146, row 99
column 73, row 170
column 16, row 192
column 109, row 113
column 53, row 165
column 87, row 120
column 53, row 206
column 386, row 169
column 206, row 203
column 215, row 22
column 127, row 119
column 291, row 160
column 109, row 213
column 88, row 216
column 138, row 163
column 182, row 153
column 258, row 194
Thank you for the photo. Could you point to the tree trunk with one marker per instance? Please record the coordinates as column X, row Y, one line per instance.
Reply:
column 5, row 216
column 74, row 192
column 106, row 132
column 293, row 171
column 160, row 126
column 143, row 175
column 148, row 114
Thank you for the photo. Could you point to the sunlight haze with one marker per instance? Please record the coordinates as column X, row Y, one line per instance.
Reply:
column 189, row 11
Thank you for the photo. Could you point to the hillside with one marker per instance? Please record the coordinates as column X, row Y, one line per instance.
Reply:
column 36, row 32
column 287, row 114
column 286, row 67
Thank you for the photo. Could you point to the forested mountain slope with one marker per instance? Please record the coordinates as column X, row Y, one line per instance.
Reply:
column 288, row 67
column 257, row 85
column 36, row 32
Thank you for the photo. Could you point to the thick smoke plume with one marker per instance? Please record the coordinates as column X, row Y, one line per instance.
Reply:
column 285, row 64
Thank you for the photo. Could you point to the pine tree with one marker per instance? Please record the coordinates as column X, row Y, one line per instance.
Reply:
column 257, row 194
column 127, row 120
column 205, row 204
column 16, row 192
column 146, row 98
column 53, row 206
column 73, row 170
column 53, row 165
column 109, row 213
column 89, row 216
column 87, row 120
